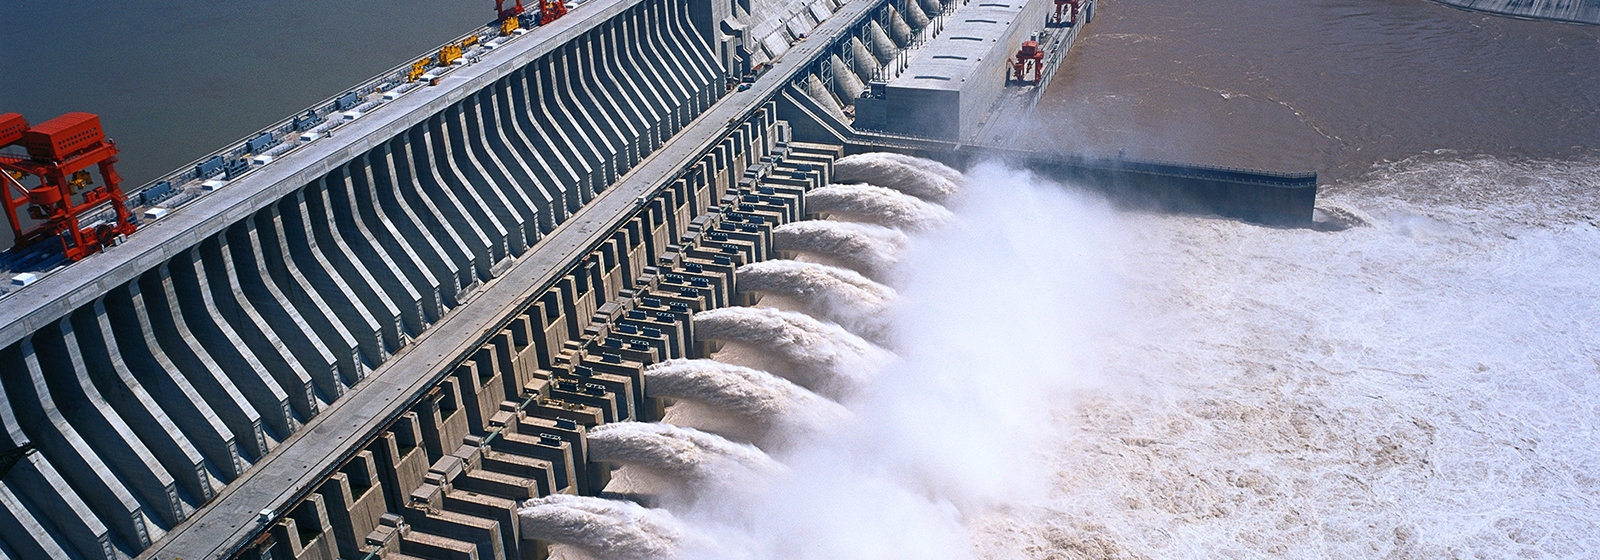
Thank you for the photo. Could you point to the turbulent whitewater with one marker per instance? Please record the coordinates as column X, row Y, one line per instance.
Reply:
column 1426, row 385
column 823, row 357
column 876, row 205
column 868, row 249
column 751, row 395
column 829, row 293
column 603, row 528
column 925, row 179
column 684, row 454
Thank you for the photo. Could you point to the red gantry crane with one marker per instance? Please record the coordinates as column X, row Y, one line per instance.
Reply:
column 1066, row 13
column 60, row 153
column 1028, row 67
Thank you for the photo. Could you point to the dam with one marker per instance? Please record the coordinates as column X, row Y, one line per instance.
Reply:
column 374, row 329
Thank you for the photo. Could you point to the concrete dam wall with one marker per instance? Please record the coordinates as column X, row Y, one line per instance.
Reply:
column 382, row 343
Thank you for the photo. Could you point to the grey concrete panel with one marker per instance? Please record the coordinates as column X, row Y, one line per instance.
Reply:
column 23, row 536
column 153, row 426
column 566, row 171
column 501, row 189
column 144, row 358
column 472, row 186
column 391, row 313
column 220, row 278
column 446, row 270
column 619, row 140
column 291, row 224
column 619, row 68
column 552, row 81
column 412, row 195
column 358, row 202
column 429, row 149
column 62, row 514
column 512, row 151
column 107, row 433
column 228, row 349
column 510, row 114
column 301, row 335
column 61, row 444
column 171, row 331
column 378, row 265
column 673, row 83
column 573, row 87
column 601, row 62
column 270, row 249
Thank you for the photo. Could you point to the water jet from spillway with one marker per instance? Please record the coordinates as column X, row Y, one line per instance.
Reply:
column 877, row 205
column 683, row 454
column 824, row 357
column 751, row 395
column 868, row 249
column 604, row 528
column 831, row 293
column 925, row 179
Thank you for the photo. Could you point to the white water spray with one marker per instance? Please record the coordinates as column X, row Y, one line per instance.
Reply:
column 868, row 249
column 830, row 293
column 924, row 179
column 603, row 528
column 682, row 454
column 750, row 395
column 876, row 205
column 990, row 316
column 823, row 357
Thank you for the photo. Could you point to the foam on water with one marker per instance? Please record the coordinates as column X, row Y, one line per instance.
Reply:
column 868, row 249
column 751, row 395
column 924, row 179
column 876, row 205
column 1424, row 386
column 830, row 293
column 824, row 357
column 684, row 454
column 603, row 528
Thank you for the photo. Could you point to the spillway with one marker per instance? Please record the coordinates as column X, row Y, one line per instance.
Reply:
column 382, row 337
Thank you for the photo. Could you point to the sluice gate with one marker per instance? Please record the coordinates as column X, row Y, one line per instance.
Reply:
column 380, row 343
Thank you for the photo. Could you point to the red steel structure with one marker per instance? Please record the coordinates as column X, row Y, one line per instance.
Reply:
column 502, row 12
column 551, row 10
column 1028, row 68
column 59, row 154
column 1066, row 14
